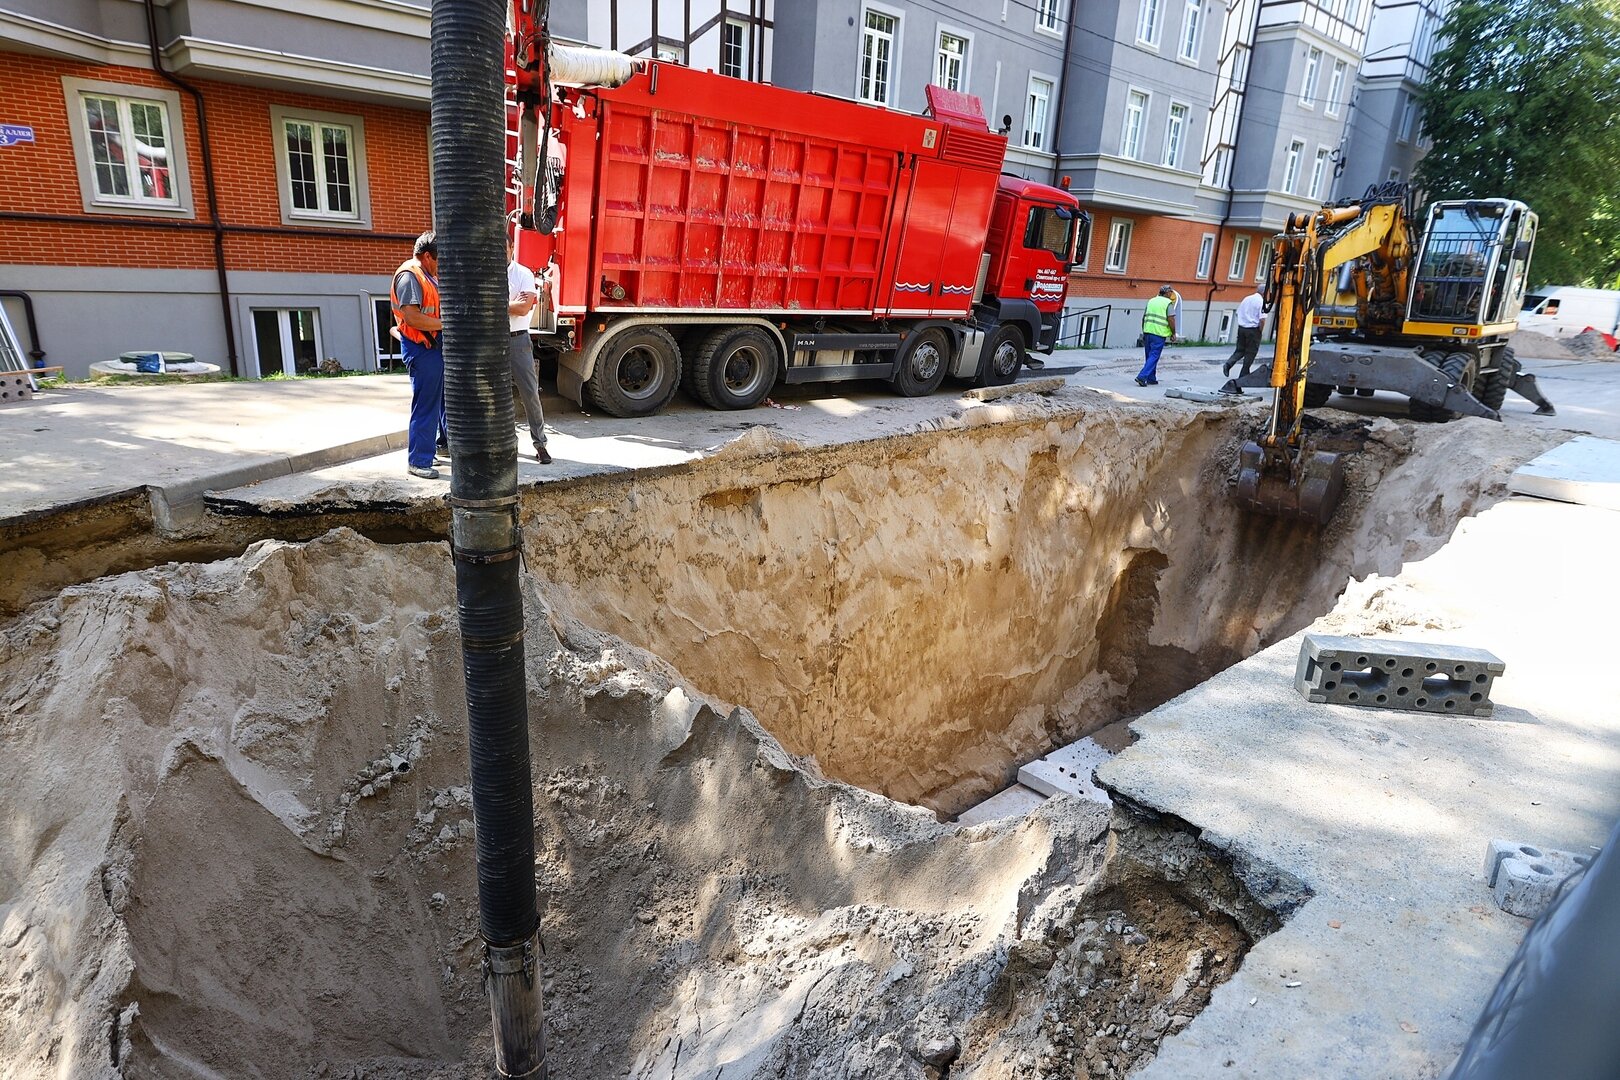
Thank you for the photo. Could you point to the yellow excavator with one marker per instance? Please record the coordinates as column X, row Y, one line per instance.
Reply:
column 1425, row 315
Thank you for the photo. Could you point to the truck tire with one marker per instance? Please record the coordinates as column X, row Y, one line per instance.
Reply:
column 637, row 372
column 922, row 364
column 734, row 367
column 1003, row 356
column 1494, row 384
column 1461, row 368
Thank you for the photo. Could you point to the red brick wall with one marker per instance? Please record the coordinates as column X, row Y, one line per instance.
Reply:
column 42, row 177
column 1164, row 251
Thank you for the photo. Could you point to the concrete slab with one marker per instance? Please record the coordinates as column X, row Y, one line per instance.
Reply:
column 1015, row 801
column 1067, row 771
column 1381, row 815
column 1585, row 470
column 76, row 446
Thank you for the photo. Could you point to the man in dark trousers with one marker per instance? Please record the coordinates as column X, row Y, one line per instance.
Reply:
column 1251, row 315
column 522, row 294
column 415, row 299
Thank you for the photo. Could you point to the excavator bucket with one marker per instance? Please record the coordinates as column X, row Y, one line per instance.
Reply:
column 1303, row 485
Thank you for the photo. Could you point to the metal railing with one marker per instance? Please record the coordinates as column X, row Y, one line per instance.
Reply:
column 1065, row 339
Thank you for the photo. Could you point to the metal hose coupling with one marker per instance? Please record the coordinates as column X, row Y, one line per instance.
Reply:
column 512, row 981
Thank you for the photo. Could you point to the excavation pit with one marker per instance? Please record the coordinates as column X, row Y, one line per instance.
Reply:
column 215, row 862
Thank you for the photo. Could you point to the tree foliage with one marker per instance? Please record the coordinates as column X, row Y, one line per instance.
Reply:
column 1523, row 101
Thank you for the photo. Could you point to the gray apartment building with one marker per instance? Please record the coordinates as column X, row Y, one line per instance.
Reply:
column 1384, row 140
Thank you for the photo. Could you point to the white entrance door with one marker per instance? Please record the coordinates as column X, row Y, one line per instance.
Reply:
column 287, row 341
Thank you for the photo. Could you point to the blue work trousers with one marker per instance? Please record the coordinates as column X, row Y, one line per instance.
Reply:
column 1152, row 345
column 426, row 366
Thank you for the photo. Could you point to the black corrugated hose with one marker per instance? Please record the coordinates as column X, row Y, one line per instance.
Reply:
column 469, row 158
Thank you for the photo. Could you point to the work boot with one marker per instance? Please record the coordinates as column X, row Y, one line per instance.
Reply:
column 1141, row 381
column 542, row 455
column 1226, row 369
column 428, row 473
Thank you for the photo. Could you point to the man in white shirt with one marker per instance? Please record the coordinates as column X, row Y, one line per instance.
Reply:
column 1251, row 313
column 522, row 293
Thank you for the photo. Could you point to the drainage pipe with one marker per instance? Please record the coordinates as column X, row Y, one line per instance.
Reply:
column 208, row 181
column 37, row 353
column 469, row 158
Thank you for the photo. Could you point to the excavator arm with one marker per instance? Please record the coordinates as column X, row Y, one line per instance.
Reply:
column 1282, row 473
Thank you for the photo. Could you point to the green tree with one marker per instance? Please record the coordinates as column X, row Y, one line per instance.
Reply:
column 1523, row 101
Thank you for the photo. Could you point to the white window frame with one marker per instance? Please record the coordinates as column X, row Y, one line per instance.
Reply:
column 1172, row 155
column 1291, row 159
column 1220, row 167
column 280, row 115
column 1206, row 256
column 892, row 79
column 1030, row 101
column 1239, row 74
column 1262, row 262
column 1313, row 74
column 1408, row 113
column 1126, row 150
column 942, row 31
column 1150, row 18
column 289, row 364
column 745, row 61
column 1335, row 88
column 1120, row 228
column 74, row 91
column 1088, row 329
column 1192, row 26
column 1048, row 17
column 1240, row 259
column 1319, row 171
column 1394, row 174
column 1225, row 332
column 390, row 352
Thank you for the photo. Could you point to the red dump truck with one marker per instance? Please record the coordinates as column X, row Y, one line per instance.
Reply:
column 717, row 233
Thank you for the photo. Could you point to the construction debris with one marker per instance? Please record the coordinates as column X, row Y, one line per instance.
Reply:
column 1383, row 674
column 1524, row 879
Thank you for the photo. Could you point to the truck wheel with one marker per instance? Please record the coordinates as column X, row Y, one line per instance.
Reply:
column 734, row 367
column 1461, row 368
column 922, row 365
column 1317, row 394
column 636, row 374
column 1494, row 384
column 1002, row 357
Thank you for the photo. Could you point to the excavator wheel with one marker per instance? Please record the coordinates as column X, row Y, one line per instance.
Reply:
column 1317, row 395
column 1493, row 385
column 1305, row 485
column 1461, row 368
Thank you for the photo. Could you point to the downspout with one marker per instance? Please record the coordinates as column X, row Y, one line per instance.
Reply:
column 37, row 353
column 1063, row 95
column 469, row 158
column 1226, row 216
column 208, row 181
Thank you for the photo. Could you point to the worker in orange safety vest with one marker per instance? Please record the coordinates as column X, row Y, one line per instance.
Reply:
column 415, row 300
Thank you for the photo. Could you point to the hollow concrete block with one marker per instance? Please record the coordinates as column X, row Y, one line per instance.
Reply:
column 1379, row 673
column 1067, row 771
column 1524, row 878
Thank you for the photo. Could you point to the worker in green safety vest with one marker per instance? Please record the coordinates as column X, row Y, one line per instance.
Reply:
column 1158, row 327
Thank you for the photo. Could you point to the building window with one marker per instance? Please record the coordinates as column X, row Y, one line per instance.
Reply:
column 1206, row 255
column 1240, row 258
column 878, row 34
column 1394, row 174
column 1191, row 25
column 1335, row 89
column 1220, row 167
column 1147, row 23
column 1226, row 326
column 1088, row 331
column 287, row 341
column 1240, row 66
column 1130, row 139
column 1319, row 169
column 734, row 49
column 1046, row 15
column 1307, row 87
column 1035, row 109
column 950, row 61
column 127, row 148
column 1296, row 149
column 1262, row 265
column 1119, row 246
column 320, row 164
column 389, row 351
column 1175, row 134
column 1408, row 114
column 671, row 53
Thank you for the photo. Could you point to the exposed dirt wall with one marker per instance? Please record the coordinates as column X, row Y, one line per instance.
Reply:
column 924, row 612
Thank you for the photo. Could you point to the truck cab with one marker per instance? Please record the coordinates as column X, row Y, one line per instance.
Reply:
column 1035, row 230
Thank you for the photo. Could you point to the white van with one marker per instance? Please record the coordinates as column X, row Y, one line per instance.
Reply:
column 1565, row 309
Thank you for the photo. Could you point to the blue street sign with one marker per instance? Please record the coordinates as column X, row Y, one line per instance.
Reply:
column 12, row 134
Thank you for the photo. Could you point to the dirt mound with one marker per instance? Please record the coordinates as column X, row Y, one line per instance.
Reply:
column 1586, row 345
column 238, row 843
